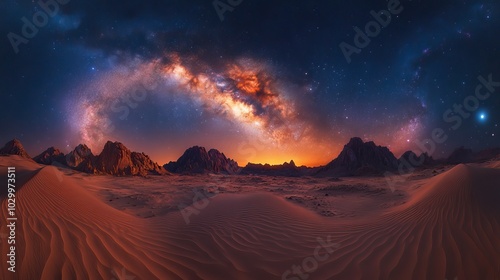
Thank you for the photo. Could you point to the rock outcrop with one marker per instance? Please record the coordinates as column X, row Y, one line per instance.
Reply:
column 409, row 158
column 116, row 159
column 50, row 156
column 82, row 159
column 286, row 169
column 198, row 160
column 487, row 154
column 14, row 147
column 461, row 155
column 359, row 158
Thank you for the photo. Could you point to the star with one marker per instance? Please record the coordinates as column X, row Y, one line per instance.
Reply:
column 482, row 116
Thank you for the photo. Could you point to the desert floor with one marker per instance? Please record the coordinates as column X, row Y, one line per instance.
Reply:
column 440, row 223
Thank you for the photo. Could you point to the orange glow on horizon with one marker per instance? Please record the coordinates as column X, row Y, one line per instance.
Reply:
column 300, row 159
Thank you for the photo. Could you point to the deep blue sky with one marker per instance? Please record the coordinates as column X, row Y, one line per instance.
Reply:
column 395, row 91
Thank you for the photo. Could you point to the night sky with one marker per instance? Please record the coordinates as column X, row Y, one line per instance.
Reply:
column 268, row 83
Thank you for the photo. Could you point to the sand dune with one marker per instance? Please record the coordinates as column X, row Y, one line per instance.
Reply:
column 449, row 228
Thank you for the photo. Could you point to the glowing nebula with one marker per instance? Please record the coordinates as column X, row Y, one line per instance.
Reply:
column 244, row 93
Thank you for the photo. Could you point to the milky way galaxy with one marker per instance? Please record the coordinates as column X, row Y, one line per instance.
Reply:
column 245, row 93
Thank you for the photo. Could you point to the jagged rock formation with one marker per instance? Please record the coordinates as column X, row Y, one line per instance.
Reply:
column 50, row 156
column 80, row 154
column 82, row 159
column 14, row 147
column 360, row 158
column 487, row 154
column 116, row 159
column 198, row 160
column 286, row 169
column 409, row 158
column 461, row 155
column 356, row 159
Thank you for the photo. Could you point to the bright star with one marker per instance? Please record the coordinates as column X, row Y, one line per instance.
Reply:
column 482, row 116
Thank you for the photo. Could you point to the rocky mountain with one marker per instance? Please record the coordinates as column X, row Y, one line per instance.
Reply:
column 50, row 156
column 360, row 158
column 357, row 158
column 142, row 164
column 82, row 159
column 461, row 155
column 286, row 169
column 116, row 159
column 14, row 147
column 198, row 160
column 487, row 154
column 411, row 159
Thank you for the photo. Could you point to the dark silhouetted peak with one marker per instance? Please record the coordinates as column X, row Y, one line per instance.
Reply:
column 196, row 152
column 285, row 169
column 14, row 147
column 194, row 160
column 409, row 156
column 409, row 160
column 222, row 164
column 460, row 155
column 427, row 160
column 197, row 160
column 355, row 142
column 360, row 158
column 50, row 156
column 487, row 154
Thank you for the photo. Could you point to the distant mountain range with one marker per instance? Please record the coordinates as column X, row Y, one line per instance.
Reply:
column 288, row 169
column 358, row 158
column 115, row 159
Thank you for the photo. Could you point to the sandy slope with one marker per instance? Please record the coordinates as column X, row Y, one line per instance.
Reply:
column 449, row 228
